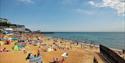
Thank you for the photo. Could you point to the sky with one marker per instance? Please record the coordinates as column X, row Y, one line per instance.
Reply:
column 66, row 15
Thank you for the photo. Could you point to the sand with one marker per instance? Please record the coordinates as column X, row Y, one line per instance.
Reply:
column 77, row 54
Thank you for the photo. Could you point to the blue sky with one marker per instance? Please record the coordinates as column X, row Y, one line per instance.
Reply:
column 65, row 15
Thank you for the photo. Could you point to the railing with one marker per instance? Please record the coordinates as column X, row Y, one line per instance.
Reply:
column 110, row 56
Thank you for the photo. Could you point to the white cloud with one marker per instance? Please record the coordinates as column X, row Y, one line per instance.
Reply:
column 118, row 5
column 91, row 2
column 26, row 1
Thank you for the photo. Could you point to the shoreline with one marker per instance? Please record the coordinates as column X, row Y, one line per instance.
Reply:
column 82, row 42
column 111, row 40
column 116, row 50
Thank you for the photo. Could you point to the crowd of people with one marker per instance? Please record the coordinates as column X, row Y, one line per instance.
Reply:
column 19, row 42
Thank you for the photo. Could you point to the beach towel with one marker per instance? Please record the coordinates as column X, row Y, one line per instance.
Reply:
column 1, row 43
column 50, row 49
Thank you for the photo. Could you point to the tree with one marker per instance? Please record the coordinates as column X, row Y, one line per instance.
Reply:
column 4, row 22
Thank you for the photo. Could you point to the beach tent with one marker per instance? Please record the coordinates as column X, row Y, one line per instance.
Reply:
column 14, row 38
column 16, row 48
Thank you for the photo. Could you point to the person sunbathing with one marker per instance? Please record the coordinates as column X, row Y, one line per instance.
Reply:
column 61, row 60
column 34, row 58
column 39, row 59
column 55, row 60
column 4, row 50
column 30, row 57
column 65, row 55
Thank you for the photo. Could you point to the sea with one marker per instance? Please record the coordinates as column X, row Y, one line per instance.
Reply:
column 109, row 39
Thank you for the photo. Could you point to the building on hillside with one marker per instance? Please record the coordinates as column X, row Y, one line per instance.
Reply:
column 19, row 28
column 4, row 23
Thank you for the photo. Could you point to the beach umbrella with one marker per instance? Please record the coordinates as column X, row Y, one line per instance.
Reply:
column 14, row 38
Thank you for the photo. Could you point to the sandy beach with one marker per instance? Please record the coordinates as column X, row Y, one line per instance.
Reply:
column 49, row 49
column 62, row 31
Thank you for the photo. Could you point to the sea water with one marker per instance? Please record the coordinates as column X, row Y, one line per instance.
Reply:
column 109, row 39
